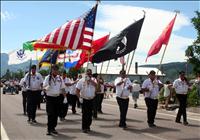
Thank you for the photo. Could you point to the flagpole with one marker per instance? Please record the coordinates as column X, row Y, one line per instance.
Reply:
column 101, row 68
column 127, row 61
column 37, row 58
column 159, row 69
column 107, row 66
column 131, row 62
column 64, row 60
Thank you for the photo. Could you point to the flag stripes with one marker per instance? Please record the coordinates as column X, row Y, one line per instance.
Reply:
column 69, row 35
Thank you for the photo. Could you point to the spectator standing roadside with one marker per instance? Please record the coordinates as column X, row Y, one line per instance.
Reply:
column 167, row 93
column 135, row 92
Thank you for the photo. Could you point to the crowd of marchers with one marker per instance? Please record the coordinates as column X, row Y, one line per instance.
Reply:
column 87, row 92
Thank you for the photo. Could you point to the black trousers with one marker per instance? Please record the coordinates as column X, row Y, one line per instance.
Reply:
column 87, row 107
column 24, row 101
column 99, row 101
column 182, row 107
column 52, row 108
column 73, row 100
column 95, row 105
column 151, row 109
column 123, row 108
column 33, row 97
column 63, row 109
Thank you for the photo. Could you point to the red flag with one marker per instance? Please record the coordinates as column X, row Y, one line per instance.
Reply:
column 96, row 45
column 163, row 39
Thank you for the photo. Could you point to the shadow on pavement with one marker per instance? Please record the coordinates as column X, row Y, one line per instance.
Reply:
column 189, row 139
column 132, row 120
column 159, row 129
column 163, row 119
column 62, row 137
column 109, row 126
column 103, row 119
column 39, row 124
column 69, row 130
column 154, row 130
column 105, row 114
column 193, row 125
column 68, row 122
column 99, row 134
column 37, row 114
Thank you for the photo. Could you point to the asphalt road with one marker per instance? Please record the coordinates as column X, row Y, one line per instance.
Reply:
column 15, row 127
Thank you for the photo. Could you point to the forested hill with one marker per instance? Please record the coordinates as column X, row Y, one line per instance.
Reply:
column 171, row 69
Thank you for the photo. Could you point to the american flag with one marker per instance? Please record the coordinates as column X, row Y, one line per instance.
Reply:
column 89, row 28
column 75, row 34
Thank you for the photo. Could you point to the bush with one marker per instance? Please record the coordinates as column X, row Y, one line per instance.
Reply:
column 193, row 97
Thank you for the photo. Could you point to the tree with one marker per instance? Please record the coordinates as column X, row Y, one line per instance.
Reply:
column 7, row 75
column 193, row 51
column 73, row 71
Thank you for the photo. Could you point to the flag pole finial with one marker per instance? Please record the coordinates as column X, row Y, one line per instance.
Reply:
column 177, row 11
column 144, row 12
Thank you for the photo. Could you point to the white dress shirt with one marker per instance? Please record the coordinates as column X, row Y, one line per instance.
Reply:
column 35, row 81
column 22, row 84
column 87, row 90
column 153, row 88
column 53, row 88
column 180, row 86
column 67, row 81
column 122, row 90
column 73, row 88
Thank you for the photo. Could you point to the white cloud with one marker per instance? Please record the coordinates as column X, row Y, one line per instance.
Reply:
column 114, row 18
column 5, row 15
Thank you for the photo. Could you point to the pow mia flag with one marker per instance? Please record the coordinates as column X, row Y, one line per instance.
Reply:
column 121, row 44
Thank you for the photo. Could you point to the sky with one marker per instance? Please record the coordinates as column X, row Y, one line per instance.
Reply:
column 23, row 21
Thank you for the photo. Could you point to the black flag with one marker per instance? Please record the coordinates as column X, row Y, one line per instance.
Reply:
column 121, row 44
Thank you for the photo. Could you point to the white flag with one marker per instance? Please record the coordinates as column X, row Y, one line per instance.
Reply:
column 20, row 56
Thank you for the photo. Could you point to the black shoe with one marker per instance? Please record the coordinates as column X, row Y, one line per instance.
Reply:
column 85, row 131
column 54, row 132
column 100, row 112
column 152, row 125
column 124, row 127
column 29, row 121
column 178, row 121
column 95, row 118
column 62, row 119
column 48, row 133
column 185, row 123
column 34, row 121
column 135, row 105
